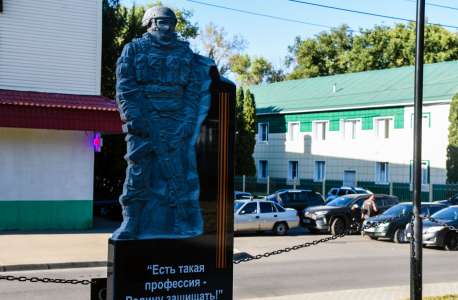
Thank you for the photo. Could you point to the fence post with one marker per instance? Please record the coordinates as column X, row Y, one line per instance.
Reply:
column 391, row 187
column 268, row 181
column 430, row 192
column 324, row 188
column 244, row 183
column 294, row 182
column 356, row 182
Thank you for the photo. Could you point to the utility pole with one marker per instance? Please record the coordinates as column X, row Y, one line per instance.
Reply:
column 416, row 244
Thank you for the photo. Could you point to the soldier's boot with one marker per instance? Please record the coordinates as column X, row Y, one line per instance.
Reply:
column 129, row 226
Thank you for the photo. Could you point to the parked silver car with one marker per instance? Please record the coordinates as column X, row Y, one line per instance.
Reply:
column 261, row 215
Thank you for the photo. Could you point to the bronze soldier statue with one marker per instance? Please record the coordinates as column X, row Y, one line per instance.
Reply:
column 162, row 94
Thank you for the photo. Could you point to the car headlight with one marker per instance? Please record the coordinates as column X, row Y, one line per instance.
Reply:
column 384, row 225
column 434, row 229
column 322, row 212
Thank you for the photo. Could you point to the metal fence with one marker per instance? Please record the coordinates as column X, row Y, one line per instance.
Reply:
column 259, row 187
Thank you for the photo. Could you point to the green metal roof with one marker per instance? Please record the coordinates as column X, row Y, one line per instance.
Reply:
column 390, row 87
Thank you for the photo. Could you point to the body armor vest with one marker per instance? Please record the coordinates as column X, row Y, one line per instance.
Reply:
column 162, row 74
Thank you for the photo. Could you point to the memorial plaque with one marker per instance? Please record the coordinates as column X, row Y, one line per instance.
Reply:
column 176, row 239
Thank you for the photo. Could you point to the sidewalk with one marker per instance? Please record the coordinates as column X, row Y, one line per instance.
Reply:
column 387, row 293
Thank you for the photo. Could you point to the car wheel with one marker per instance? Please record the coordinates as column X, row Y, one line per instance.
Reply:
column 400, row 236
column 280, row 229
column 451, row 241
column 260, row 232
column 103, row 211
column 313, row 230
column 373, row 238
column 337, row 227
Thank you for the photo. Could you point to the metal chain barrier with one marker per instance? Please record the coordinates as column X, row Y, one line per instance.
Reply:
column 316, row 242
column 442, row 224
column 45, row 280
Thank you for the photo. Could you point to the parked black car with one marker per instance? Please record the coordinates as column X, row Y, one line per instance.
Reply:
column 345, row 190
column 107, row 208
column 436, row 235
column 342, row 213
column 395, row 230
column 298, row 199
column 450, row 201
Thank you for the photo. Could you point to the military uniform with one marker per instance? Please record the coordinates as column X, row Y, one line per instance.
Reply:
column 164, row 76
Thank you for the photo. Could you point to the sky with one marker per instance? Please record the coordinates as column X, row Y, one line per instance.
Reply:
column 270, row 37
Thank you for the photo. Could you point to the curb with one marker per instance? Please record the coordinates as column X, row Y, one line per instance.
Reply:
column 67, row 265
column 72, row 265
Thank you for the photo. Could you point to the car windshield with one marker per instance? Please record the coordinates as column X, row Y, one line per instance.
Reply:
column 237, row 205
column 341, row 201
column 398, row 210
column 363, row 191
column 450, row 213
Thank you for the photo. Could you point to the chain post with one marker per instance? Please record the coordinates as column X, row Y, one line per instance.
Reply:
column 430, row 192
column 244, row 183
column 324, row 188
column 417, row 228
column 391, row 187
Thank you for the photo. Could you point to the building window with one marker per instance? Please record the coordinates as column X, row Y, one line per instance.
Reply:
column 293, row 170
column 319, row 130
column 263, row 169
column 263, row 132
column 424, row 172
column 293, row 131
column 320, row 170
column 382, row 128
column 350, row 129
column 425, row 121
column 382, row 174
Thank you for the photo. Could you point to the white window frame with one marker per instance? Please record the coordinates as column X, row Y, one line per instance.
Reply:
column 297, row 133
column 314, row 130
column 351, row 170
column 425, row 114
column 359, row 122
column 260, row 170
column 260, row 133
column 290, row 170
column 387, row 176
column 390, row 127
column 315, row 171
column 424, row 182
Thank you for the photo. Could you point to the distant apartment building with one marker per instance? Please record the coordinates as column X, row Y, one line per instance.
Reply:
column 354, row 126
column 50, row 109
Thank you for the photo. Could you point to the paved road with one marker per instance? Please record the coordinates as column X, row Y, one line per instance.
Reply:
column 349, row 263
column 352, row 262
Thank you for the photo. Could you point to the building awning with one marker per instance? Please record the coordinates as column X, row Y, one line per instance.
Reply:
column 23, row 109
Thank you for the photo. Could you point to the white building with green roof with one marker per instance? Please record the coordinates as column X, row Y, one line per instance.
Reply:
column 354, row 126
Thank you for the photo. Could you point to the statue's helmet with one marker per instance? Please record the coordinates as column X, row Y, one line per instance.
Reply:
column 158, row 12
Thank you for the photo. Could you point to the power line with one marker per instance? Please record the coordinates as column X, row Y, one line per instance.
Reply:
column 252, row 13
column 364, row 13
column 436, row 5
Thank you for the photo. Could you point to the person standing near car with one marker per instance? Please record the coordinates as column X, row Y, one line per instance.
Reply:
column 278, row 198
column 369, row 208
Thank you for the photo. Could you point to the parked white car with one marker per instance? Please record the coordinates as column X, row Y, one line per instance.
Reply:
column 260, row 215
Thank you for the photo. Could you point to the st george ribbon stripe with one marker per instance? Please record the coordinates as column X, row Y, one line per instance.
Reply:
column 222, row 180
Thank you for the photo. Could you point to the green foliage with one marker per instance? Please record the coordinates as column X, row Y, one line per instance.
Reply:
column 452, row 148
column 246, row 131
column 255, row 71
column 112, row 26
column 340, row 51
column 110, row 167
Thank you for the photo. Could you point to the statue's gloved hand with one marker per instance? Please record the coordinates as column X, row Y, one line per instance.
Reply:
column 139, row 127
column 186, row 130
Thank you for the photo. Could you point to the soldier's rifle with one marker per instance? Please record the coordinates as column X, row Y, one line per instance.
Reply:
column 158, row 143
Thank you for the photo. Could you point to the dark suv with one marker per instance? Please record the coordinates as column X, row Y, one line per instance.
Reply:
column 342, row 213
column 298, row 199
column 345, row 190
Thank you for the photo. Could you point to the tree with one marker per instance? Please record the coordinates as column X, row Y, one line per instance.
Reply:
column 452, row 148
column 212, row 40
column 246, row 131
column 112, row 27
column 239, row 127
column 382, row 47
column 255, row 71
